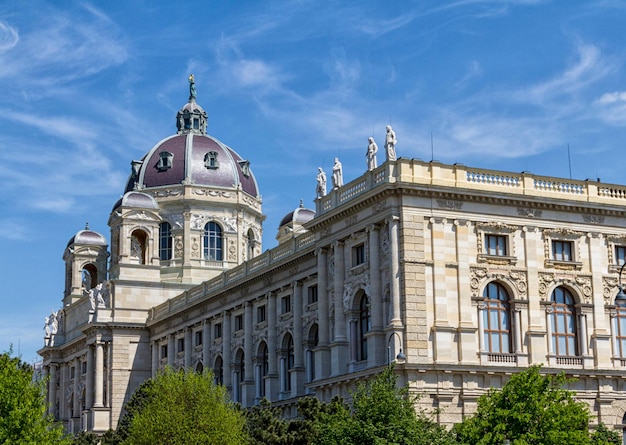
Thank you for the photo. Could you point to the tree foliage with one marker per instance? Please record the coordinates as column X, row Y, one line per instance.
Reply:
column 530, row 409
column 604, row 436
column 23, row 405
column 181, row 407
column 381, row 414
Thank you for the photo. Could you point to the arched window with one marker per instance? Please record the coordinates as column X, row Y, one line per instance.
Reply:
column 138, row 242
column 312, row 342
column 496, row 319
column 199, row 368
column 620, row 328
column 564, row 332
column 287, row 362
column 262, row 369
column 213, row 242
column 218, row 371
column 89, row 276
column 238, row 376
column 250, row 245
column 363, row 329
column 165, row 241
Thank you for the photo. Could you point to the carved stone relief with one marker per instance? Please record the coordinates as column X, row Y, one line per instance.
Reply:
column 516, row 279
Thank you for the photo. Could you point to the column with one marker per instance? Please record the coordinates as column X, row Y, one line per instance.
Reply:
column 517, row 321
column 76, row 401
column 323, row 310
column 549, row 311
column 188, row 347
column 298, row 352
column 64, row 378
column 226, row 352
column 155, row 357
column 583, row 334
column 206, row 343
column 394, row 240
column 376, row 340
column 171, row 350
column 89, row 381
column 52, row 391
column 481, row 326
column 272, row 372
column 99, row 376
column 339, row 346
column 248, row 378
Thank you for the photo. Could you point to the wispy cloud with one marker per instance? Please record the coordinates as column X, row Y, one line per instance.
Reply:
column 8, row 37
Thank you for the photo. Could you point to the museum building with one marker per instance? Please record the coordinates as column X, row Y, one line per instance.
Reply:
column 461, row 276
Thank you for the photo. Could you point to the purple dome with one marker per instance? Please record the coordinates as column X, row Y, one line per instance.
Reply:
column 87, row 236
column 300, row 216
column 195, row 159
column 136, row 199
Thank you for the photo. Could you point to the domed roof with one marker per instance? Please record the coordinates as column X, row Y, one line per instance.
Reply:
column 196, row 159
column 87, row 236
column 192, row 157
column 136, row 199
column 300, row 215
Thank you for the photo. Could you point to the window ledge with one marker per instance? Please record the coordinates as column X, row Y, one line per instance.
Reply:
column 497, row 259
column 563, row 265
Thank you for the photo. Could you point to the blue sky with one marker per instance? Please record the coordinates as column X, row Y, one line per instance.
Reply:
column 87, row 87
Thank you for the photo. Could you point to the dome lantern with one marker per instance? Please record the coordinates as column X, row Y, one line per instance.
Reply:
column 191, row 118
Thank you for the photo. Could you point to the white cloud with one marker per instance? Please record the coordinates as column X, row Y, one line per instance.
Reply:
column 610, row 98
column 8, row 37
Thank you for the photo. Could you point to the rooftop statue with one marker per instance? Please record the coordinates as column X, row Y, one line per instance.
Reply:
column 390, row 144
column 337, row 174
column 192, row 87
column 372, row 149
column 321, row 183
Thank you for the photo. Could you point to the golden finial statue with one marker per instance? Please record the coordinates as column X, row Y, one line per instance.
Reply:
column 192, row 87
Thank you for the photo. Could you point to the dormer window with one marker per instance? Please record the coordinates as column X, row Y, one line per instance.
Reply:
column 245, row 168
column 196, row 123
column 210, row 160
column 165, row 161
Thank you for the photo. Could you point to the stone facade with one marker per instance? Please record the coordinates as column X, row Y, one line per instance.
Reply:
column 462, row 276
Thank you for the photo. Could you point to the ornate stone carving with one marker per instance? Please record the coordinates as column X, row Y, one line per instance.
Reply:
column 385, row 245
column 593, row 219
column 514, row 278
column 177, row 220
column 195, row 247
column 232, row 251
column 545, row 282
column 178, row 247
column 609, row 289
column 331, row 269
column 529, row 212
column 166, row 193
column 450, row 204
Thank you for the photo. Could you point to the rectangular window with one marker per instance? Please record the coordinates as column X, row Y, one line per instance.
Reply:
column 72, row 372
column 163, row 351
column 312, row 294
column 620, row 255
column 496, row 245
column 198, row 338
column 217, row 330
column 285, row 304
column 358, row 255
column 260, row 314
column 83, row 368
column 238, row 322
column 562, row 250
column 180, row 345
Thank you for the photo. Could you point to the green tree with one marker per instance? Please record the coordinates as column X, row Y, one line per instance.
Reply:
column 382, row 413
column 530, row 409
column 182, row 407
column 604, row 436
column 23, row 405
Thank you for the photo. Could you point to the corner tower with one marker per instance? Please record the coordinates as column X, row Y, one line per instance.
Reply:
column 200, row 211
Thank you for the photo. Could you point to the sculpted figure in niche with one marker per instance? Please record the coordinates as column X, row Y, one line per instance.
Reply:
column 372, row 149
column 337, row 174
column 390, row 144
column 321, row 183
